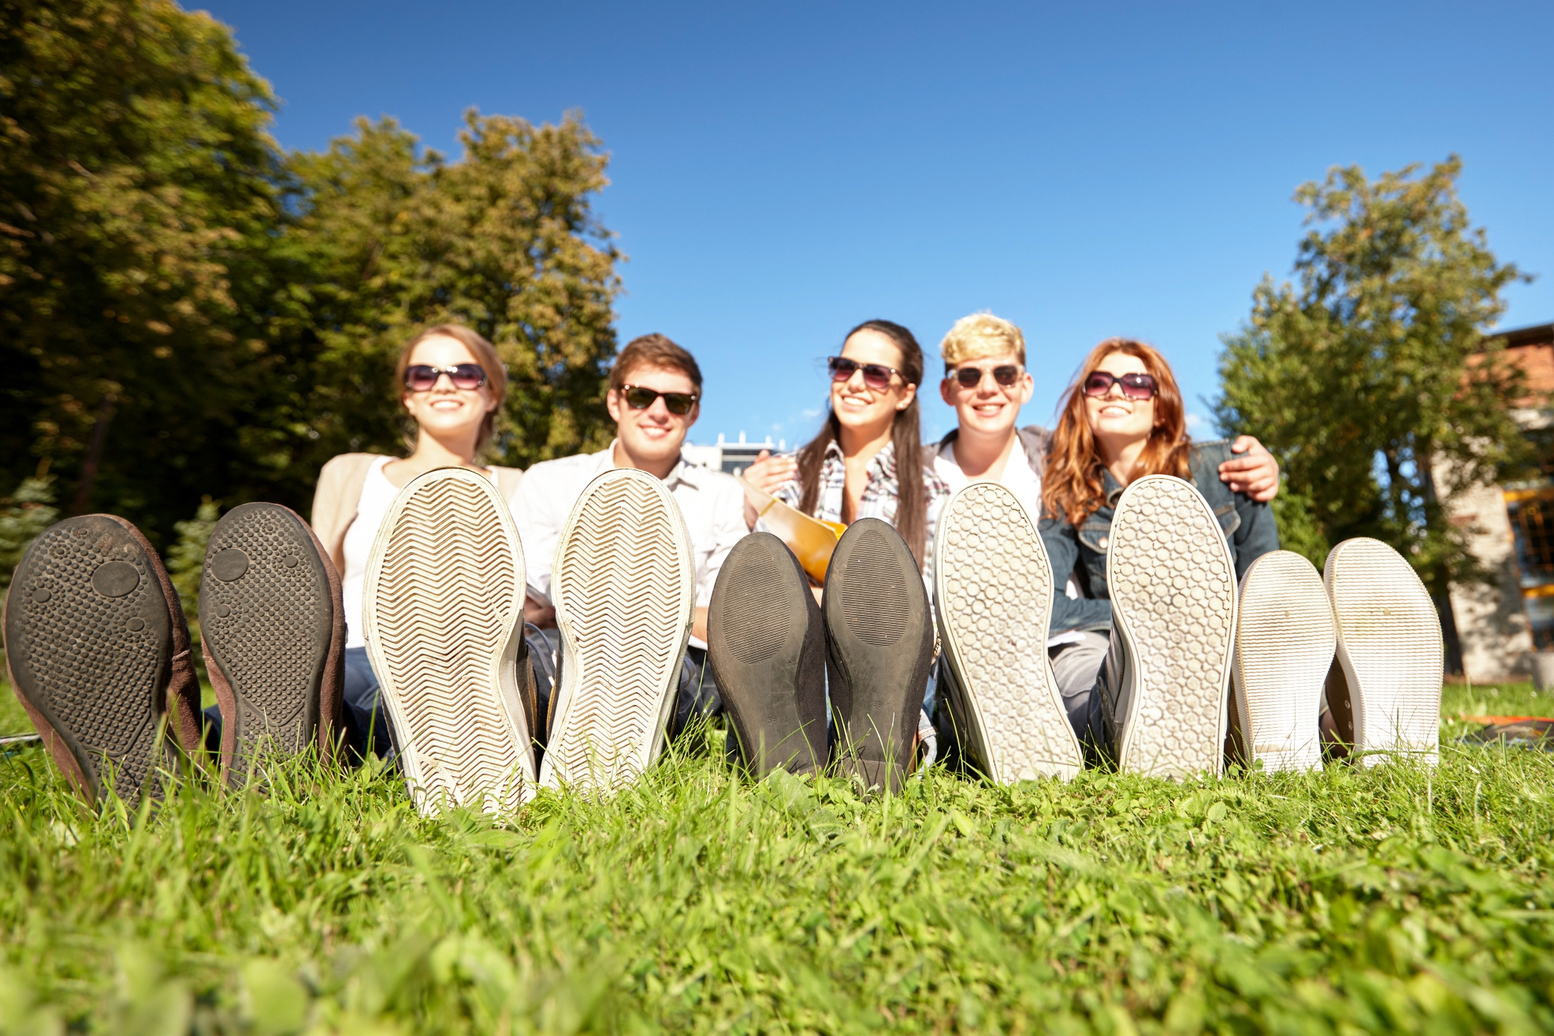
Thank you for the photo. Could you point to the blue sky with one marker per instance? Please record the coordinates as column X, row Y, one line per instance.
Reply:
column 782, row 172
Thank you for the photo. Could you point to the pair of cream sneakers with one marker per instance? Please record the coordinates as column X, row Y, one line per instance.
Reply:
column 1184, row 631
column 443, row 616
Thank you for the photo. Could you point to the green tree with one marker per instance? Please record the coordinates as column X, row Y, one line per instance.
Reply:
column 1371, row 377
column 139, row 195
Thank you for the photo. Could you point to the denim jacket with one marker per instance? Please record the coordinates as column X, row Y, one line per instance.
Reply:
column 1249, row 529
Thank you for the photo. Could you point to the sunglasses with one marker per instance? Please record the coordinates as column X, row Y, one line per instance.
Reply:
column 639, row 398
column 1134, row 386
column 421, row 378
column 1005, row 374
column 875, row 375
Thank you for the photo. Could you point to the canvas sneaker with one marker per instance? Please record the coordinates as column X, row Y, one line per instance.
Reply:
column 1386, row 688
column 1285, row 639
column 98, row 653
column 880, row 647
column 767, row 647
column 624, row 587
column 273, row 633
column 442, row 609
column 993, row 598
column 1173, row 593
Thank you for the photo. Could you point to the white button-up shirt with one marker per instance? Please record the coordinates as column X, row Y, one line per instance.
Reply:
column 711, row 502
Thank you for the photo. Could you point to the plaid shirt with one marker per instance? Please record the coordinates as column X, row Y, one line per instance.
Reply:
column 881, row 495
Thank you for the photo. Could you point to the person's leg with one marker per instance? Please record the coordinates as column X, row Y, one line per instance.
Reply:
column 697, row 695
column 1077, row 667
column 366, row 722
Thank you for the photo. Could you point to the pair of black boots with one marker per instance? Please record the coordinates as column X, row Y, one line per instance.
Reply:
column 771, row 646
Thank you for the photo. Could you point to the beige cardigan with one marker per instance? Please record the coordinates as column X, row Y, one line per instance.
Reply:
column 340, row 490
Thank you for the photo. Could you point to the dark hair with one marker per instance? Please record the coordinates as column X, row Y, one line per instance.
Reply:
column 653, row 350
column 1071, row 487
column 485, row 354
column 905, row 437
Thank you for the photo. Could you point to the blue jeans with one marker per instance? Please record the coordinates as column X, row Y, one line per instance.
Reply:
column 365, row 724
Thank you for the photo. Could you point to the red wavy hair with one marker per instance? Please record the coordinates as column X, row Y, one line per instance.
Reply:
column 1071, row 486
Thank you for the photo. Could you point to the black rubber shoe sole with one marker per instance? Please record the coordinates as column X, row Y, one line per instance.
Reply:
column 766, row 644
column 266, row 616
column 881, row 645
column 88, row 639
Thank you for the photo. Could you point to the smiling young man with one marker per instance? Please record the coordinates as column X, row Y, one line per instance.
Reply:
column 654, row 398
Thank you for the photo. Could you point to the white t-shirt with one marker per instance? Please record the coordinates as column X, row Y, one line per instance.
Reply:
column 1017, row 476
column 377, row 494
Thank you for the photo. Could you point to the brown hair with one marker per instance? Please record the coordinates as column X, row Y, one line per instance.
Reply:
column 911, row 507
column 484, row 353
column 1072, row 487
column 653, row 350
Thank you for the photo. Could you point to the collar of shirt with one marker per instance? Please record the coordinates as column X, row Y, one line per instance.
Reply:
column 683, row 473
column 1110, row 487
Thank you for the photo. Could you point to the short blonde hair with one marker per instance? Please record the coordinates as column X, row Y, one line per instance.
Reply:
column 979, row 335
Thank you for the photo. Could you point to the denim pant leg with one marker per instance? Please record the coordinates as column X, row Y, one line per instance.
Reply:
column 366, row 722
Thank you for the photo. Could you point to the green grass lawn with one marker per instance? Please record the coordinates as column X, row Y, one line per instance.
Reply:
column 1394, row 898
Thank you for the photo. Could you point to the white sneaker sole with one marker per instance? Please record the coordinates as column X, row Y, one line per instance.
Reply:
column 1284, row 647
column 624, row 586
column 1173, row 593
column 993, row 596
column 442, row 609
column 1389, row 644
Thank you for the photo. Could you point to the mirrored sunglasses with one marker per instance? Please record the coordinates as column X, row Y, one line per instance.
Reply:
column 1005, row 374
column 422, row 378
column 1134, row 386
column 875, row 375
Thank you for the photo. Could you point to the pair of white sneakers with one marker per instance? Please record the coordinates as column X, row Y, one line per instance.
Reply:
column 1183, row 632
column 443, row 617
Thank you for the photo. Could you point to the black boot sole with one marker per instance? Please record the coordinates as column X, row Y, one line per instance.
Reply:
column 266, row 621
column 88, row 639
column 767, row 650
column 880, row 632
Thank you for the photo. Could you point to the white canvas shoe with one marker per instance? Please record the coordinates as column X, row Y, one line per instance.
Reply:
column 993, row 596
column 624, row 587
column 1284, row 647
column 1389, row 651
column 442, row 608
column 1173, row 593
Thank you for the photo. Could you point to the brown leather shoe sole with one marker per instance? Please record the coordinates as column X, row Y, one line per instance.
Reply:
column 90, row 629
column 272, row 635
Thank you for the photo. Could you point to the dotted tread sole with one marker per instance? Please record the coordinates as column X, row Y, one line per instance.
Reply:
column 1173, row 592
column 761, row 623
column 993, row 584
column 266, row 616
column 442, row 609
column 88, row 639
column 623, row 584
column 1285, row 639
column 1390, row 649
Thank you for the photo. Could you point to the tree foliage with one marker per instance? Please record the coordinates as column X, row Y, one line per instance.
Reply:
column 1371, row 376
column 186, row 311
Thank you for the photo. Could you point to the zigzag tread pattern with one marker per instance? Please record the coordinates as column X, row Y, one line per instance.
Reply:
column 92, row 662
column 1173, row 588
column 1391, row 635
column 990, row 572
column 273, row 639
column 445, row 604
column 1284, row 647
column 619, row 581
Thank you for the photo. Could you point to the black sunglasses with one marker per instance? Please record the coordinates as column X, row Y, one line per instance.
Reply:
column 639, row 398
column 421, row 378
column 1134, row 386
column 875, row 375
column 1006, row 374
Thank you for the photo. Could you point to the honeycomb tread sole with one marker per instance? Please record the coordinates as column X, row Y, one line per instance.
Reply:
column 1285, row 640
column 266, row 617
column 1390, row 648
column 88, row 641
column 1173, row 592
column 993, row 585
column 442, row 609
column 623, row 584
